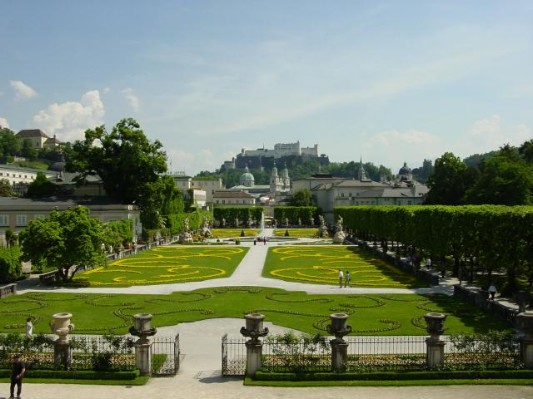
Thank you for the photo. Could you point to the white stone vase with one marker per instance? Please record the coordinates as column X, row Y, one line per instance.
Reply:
column 61, row 326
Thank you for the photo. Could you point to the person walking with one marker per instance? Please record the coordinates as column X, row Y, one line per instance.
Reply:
column 17, row 372
column 347, row 279
column 29, row 327
column 341, row 278
column 492, row 291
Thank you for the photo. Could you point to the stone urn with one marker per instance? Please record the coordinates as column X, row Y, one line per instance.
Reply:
column 338, row 326
column 254, row 327
column 61, row 326
column 435, row 324
column 142, row 327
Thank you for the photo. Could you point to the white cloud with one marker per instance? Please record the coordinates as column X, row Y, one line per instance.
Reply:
column 394, row 147
column 132, row 99
column 490, row 133
column 3, row 122
column 191, row 162
column 22, row 90
column 70, row 119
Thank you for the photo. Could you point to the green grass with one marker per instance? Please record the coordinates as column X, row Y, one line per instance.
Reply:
column 164, row 265
column 234, row 233
column 303, row 232
column 369, row 314
column 320, row 265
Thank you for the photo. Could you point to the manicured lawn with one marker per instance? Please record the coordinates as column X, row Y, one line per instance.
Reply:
column 163, row 265
column 369, row 314
column 304, row 232
column 321, row 264
column 234, row 233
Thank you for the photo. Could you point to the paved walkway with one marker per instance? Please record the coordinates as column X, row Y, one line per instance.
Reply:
column 200, row 342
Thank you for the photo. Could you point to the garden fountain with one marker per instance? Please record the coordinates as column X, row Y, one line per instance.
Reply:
column 262, row 225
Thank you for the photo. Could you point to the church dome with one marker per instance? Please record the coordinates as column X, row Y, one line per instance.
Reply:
column 247, row 179
column 405, row 170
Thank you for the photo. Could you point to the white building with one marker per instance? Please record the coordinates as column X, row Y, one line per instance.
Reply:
column 331, row 192
column 233, row 198
column 282, row 150
column 16, row 213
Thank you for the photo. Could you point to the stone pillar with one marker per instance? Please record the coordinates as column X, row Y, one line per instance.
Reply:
column 524, row 322
column 143, row 329
column 61, row 326
column 254, row 346
column 339, row 347
column 434, row 345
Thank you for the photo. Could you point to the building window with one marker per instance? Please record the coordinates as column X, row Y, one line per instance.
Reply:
column 21, row 220
column 4, row 220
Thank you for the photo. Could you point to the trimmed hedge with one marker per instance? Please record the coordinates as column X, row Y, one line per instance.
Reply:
column 76, row 374
column 395, row 376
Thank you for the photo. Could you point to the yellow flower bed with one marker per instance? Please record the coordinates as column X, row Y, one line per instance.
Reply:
column 320, row 265
column 165, row 265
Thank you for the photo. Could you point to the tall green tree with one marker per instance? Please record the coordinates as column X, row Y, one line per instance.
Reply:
column 126, row 161
column 10, row 144
column 162, row 200
column 302, row 197
column 6, row 189
column 526, row 151
column 449, row 181
column 41, row 187
column 505, row 179
column 64, row 241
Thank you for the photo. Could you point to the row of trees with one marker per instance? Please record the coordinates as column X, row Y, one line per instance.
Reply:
column 489, row 237
column 296, row 215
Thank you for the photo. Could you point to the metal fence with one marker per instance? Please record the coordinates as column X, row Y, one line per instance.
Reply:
column 395, row 353
column 91, row 352
column 165, row 355
column 86, row 352
column 233, row 356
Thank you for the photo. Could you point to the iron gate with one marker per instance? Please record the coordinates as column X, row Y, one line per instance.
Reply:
column 165, row 355
column 233, row 356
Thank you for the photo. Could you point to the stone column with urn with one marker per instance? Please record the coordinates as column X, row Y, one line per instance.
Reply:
column 254, row 346
column 61, row 326
column 143, row 329
column 339, row 347
column 524, row 323
column 434, row 345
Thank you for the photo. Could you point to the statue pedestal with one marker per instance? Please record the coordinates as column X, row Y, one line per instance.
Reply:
column 524, row 323
column 434, row 353
column 254, row 353
column 142, row 357
column 339, row 355
column 62, row 356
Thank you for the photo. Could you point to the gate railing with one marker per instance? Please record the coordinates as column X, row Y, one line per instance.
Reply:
column 233, row 356
column 394, row 353
column 165, row 355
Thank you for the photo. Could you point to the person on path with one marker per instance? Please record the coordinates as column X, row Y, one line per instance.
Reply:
column 492, row 291
column 347, row 279
column 17, row 372
column 341, row 277
column 29, row 327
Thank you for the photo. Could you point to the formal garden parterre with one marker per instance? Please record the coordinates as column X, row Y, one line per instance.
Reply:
column 168, row 264
column 321, row 265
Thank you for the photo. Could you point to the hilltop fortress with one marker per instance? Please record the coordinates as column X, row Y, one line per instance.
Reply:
column 254, row 159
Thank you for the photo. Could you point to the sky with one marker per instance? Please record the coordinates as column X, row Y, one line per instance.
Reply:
column 386, row 81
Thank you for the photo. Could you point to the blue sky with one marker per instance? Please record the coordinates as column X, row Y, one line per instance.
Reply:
column 388, row 81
